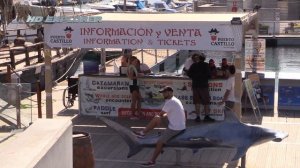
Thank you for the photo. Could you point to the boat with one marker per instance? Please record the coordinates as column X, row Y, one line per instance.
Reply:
column 129, row 6
column 38, row 9
column 162, row 6
column 102, row 6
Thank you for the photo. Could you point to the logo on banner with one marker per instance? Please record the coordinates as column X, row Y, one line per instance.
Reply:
column 213, row 34
column 68, row 31
column 63, row 40
column 220, row 41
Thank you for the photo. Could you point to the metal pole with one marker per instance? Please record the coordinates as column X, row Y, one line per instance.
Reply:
column 18, row 105
column 124, row 7
column 103, row 59
column 48, row 81
column 274, row 14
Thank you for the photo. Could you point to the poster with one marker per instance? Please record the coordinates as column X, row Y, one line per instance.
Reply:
column 110, row 96
column 255, row 55
column 251, row 94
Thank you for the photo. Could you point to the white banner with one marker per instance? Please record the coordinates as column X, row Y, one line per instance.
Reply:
column 110, row 96
column 145, row 35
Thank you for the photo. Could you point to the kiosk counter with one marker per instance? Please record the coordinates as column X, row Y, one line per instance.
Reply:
column 109, row 95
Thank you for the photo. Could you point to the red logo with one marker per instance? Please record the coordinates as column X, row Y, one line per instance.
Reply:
column 68, row 31
column 213, row 34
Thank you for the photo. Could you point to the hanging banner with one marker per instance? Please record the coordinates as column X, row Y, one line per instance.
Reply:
column 255, row 55
column 110, row 96
column 145, row 34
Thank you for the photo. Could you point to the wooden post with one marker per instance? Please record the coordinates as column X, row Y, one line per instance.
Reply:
column 39, row 50
column 8, row 74
column 27, row 61
column 195, row 6
column 124, row 6
column 48, row 81
column 142, row 54
column 238, row 85
column 103, row 60
column 155, row 56
column 12, row 59
column 39, row 98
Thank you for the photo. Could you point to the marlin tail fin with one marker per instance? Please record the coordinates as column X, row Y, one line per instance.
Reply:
column 131, row 140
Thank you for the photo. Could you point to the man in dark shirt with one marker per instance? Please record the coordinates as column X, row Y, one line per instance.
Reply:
column 199, row 72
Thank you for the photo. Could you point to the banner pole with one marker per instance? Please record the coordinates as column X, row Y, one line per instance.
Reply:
column 48, row 81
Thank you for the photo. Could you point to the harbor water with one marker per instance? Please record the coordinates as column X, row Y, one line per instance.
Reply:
column 278, row 59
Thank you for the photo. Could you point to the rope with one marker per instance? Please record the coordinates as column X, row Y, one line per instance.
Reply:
column 80, row 54
column 20, row 76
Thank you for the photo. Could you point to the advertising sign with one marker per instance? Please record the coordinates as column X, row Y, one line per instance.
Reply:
column 110, row 96
column 144, row 35
column 255, row 55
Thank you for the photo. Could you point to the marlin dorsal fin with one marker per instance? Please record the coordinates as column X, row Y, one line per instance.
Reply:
column 230, row 116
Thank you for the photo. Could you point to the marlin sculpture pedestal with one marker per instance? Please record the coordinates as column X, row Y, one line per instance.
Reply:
column 230, row 133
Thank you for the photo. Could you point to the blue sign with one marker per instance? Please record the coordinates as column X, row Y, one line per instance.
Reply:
column 289, row 96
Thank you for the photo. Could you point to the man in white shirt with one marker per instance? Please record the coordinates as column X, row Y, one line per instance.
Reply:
column 174, row 111
column 229, row 97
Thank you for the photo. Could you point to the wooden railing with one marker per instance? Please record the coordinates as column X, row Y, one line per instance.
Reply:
column 26, row 49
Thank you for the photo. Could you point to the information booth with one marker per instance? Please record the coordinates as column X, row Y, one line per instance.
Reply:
column 108, row 95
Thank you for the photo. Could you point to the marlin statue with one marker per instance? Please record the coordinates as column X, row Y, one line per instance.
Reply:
column 230, row 133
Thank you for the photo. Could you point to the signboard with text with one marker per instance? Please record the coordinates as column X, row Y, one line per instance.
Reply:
column 110, row 96
column 145, row 35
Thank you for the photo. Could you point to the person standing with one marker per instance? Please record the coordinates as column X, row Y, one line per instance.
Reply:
column 229, row 96
column 188, row 63
column 224, row 67
column 174, row 112
column 126, row 54
column 199, row 72
column 136, row 97
column 212, row 68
